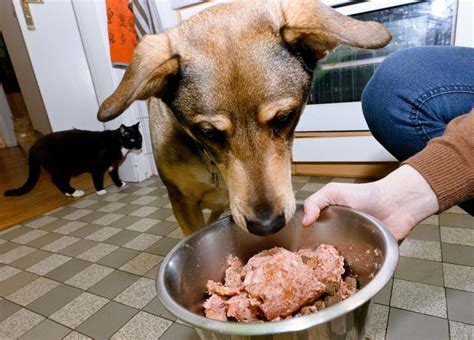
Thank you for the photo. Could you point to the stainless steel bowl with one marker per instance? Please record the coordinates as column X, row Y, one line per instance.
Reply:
column 184, row 273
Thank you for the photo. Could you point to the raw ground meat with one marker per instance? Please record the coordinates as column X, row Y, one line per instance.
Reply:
column 277, row 284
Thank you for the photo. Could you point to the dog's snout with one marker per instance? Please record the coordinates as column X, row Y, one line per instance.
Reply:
column 266, row 226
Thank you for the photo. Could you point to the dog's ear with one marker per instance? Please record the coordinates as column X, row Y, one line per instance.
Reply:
column 152, row 63
column 317, row 28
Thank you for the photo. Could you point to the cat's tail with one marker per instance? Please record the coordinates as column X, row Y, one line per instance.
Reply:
column 35, row 168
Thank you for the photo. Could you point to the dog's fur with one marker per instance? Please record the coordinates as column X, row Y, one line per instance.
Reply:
column 233, row 80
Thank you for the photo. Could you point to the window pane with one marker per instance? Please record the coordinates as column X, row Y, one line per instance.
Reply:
column 342, row 76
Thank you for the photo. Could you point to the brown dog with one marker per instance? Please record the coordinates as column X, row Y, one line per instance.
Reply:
column 228, row 87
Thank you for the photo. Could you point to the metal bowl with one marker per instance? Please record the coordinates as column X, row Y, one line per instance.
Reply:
column 184, row 273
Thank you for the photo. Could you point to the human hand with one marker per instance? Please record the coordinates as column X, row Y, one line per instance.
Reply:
column 400, row 200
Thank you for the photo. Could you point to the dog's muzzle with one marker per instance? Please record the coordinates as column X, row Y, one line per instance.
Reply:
column 267, row 226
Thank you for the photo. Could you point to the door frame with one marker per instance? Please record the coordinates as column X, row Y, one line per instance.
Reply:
column 7, row 129
column 91, row 17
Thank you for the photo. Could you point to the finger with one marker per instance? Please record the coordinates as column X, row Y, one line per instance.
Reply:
column 314, row 204
column 311, row 212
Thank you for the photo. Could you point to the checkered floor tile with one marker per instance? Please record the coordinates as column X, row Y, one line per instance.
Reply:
column 87, row 270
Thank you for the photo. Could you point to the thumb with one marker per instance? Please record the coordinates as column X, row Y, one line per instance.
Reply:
column 315, row 203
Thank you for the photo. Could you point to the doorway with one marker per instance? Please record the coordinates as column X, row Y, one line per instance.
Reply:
column 20, row 124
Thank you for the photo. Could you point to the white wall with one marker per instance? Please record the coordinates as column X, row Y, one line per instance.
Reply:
column 168, row 16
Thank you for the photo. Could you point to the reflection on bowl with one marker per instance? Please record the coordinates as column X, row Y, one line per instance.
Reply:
column 202, row 256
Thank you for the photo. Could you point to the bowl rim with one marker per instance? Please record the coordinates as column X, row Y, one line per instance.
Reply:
column 363, row 296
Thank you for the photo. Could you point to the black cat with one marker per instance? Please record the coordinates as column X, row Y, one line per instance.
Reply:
column 70, row 153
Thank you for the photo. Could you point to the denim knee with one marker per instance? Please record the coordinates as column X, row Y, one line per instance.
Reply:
column 381, row 95
column 414, row 93
column 385, row 110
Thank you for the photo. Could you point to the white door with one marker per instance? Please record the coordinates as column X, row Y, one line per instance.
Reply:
column 60, row 65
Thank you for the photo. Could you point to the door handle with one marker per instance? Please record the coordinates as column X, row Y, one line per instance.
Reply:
column 25, row 6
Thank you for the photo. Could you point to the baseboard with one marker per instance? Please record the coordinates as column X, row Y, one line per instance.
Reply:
column 355, row 170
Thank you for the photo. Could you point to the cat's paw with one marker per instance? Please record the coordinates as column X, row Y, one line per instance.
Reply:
column 123, row 184
column 78, row 193
column 101, row 192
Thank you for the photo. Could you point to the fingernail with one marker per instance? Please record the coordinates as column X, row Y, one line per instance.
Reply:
column 305, row 219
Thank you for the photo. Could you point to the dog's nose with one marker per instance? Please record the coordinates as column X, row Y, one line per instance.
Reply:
column 266, row 226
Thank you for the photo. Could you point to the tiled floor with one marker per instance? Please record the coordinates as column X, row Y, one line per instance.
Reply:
column 87, row 270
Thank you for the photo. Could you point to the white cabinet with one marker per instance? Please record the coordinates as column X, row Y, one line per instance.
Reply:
column 340, row 149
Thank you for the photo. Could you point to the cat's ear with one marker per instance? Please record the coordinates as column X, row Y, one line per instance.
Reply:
column 123, row 130
column 152, row 63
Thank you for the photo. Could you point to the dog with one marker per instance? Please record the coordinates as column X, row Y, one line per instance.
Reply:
column 227, row 88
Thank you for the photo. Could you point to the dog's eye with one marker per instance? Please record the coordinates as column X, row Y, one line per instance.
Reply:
column 281, row 120
column 209, row 133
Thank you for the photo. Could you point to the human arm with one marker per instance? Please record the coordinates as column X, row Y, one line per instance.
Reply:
column 436, row 178
column 447, row 162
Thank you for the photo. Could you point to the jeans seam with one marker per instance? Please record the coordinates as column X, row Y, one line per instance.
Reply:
column 424, row 97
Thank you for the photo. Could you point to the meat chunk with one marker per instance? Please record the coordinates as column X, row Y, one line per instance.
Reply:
column 347, row 288
column 216, row 308
column 233, row 284
column 282, row 282
column 214, row 287
column 233, row 274
column 277, row 284
column 243, row 308
column 326, row 261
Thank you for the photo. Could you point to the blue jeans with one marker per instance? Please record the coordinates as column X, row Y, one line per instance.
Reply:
column 415, row 93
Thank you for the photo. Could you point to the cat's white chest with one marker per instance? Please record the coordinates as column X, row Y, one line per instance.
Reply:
column 124, row 154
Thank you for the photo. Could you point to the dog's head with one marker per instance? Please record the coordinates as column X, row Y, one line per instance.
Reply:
column 237, row 77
